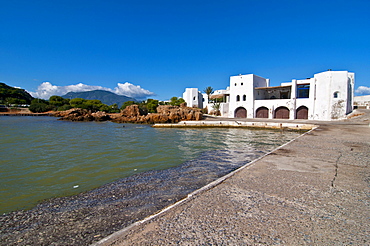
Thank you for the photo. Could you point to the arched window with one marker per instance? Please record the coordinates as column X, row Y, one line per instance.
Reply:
column 193, row 98
column 336, row 94
column 237, row 98
column 244, row 97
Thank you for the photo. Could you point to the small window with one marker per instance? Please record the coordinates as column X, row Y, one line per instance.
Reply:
column 244, row 97
column 237, row 98
column 241, row 83
column 336, row 94
column 235, row 84
column 194, row 98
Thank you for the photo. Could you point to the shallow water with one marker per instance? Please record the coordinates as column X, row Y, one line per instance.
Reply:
column 42, row 157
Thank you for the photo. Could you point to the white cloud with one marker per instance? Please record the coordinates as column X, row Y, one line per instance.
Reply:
column 131, row 90
column 46, row 90
column 363, row 90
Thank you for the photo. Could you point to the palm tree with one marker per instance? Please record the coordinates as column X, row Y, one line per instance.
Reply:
column 209, row 90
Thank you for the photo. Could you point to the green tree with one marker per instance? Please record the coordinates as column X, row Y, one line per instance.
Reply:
column 174, row 101
column 64, row 107
column 209, row 90
column 113, row 108
column 105, row 108
column 58, row 101
column 151, row 105
column 93, row 105
column 39, row 107
column 127, row 103
column 77, row 102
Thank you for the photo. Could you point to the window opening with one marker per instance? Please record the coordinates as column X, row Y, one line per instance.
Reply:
column 303, row 91
column 237, row 98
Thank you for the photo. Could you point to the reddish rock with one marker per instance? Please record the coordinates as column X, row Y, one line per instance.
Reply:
column 131, row 111
column 78, row 114
column 166, row 114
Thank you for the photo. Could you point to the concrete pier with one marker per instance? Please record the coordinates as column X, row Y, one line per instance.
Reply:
column 311, row 191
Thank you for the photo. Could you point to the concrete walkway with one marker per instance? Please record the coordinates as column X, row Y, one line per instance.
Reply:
column 312, row 191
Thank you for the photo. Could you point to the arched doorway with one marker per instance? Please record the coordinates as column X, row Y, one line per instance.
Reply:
column 282, row 113
column 302, row 112
column 240, row 113
column 262, row 112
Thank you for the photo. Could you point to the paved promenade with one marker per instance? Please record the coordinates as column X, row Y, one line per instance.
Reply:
column 312, row 191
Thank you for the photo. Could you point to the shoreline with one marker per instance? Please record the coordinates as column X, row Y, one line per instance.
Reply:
column 89, row 216
column 312, row 190
column 101, row 217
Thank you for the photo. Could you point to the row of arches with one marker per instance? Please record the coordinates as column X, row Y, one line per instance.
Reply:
column 279, row 113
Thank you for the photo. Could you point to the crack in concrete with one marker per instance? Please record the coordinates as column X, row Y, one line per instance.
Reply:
column 336, row 170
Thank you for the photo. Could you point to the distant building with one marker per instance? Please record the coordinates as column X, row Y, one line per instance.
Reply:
column 362, row 102
column 326, row 96
column 193, row 97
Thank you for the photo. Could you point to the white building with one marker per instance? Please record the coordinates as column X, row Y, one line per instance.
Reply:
column 326, row 96
column 193, row 97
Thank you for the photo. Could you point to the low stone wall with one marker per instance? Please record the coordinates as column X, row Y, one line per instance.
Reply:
column 230, row 124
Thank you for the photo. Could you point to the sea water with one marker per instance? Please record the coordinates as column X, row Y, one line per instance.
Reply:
column 42, row 157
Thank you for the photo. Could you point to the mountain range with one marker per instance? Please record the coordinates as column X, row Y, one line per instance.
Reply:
column 105, row 97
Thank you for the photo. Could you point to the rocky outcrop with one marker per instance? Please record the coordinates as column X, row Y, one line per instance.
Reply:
column 133, row 114
column 78, row 114
column 166, row 114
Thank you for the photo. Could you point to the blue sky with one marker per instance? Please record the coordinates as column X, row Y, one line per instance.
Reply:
column 157, row 48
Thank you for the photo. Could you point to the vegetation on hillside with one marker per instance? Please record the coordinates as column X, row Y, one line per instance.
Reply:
column 13, row 96
column 57, row 103
column 150, row 105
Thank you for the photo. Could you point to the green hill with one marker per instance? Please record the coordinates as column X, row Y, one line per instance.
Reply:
column 105, row 97
column 12, row 95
